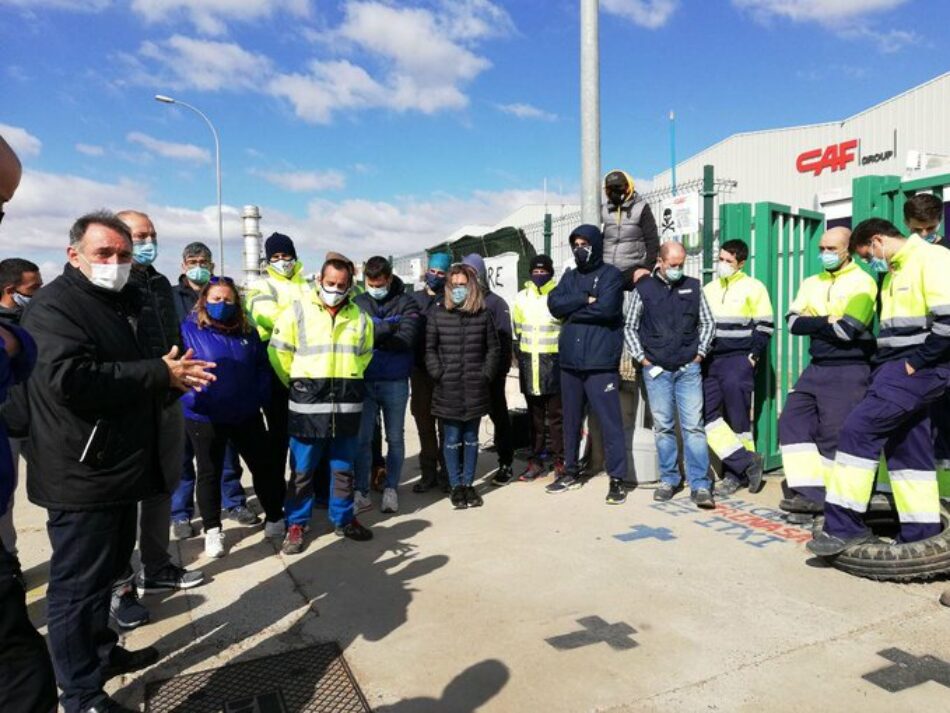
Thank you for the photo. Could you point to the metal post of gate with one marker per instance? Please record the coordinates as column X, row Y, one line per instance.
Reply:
column 709, row 196
column 548, row 233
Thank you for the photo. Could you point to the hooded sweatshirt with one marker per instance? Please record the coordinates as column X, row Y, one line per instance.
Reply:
column 500, row 312
column 591, row 336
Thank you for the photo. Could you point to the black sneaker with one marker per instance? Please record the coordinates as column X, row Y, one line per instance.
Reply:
column 728, row 485
column 502, row 476
column 663, row 493
column 459, row 498
column 122, row 660
column 127, row 611
column 564, row 483
column 426, row 483
column 169, row 578
column 800, row 504
column 355, row 531
column 472, row 498
column 702, row 498
column 755, row 474
column 824, row 545
column 616, row 493
column 243, row 516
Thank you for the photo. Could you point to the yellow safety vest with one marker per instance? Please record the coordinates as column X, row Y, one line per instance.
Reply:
column 536, row 333
column 741, row 307
column 321, row 357
column 267, row 297
column 915, row 300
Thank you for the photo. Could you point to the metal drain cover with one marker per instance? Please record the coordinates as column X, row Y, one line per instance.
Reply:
column 311, row 680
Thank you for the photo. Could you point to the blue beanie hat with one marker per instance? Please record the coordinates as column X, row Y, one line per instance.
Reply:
column 279, row 243
column 440, row 261
column 476, row 261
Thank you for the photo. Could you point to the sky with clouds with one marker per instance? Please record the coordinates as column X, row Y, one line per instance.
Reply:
column 374, row 126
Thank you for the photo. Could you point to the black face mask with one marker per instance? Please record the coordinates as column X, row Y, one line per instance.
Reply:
column 616, row 195
column 582, row 255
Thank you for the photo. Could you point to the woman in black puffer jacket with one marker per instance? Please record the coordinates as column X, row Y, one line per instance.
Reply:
column 462, row 356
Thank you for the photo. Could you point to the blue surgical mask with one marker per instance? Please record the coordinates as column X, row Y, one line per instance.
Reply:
column 459, row 294
column 145, row 252
column 221, row 311
column 932, row 238
column 378, row 293
column 674, row 274
column 434, row 282
column 878, row 264
column 199, row 275
column 21, row 300
column 830, row 261
column 541, row 280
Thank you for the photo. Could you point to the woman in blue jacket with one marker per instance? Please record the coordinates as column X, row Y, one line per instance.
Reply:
column 219, row 331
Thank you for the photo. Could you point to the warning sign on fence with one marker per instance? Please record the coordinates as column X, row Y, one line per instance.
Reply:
column 679, row 215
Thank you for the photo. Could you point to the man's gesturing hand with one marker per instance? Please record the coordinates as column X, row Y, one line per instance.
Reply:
column 186, row 372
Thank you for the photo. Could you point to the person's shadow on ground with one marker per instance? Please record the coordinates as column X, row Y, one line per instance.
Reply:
column 465, row 693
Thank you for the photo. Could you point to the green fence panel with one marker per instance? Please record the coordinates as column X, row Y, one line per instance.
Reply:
column 884, row 196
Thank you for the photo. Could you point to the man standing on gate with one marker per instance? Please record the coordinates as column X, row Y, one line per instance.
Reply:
column 589, row 302
column 744, row 325
column 835, row 308
column 669, row 331
column 911, row 374
column 631, row 243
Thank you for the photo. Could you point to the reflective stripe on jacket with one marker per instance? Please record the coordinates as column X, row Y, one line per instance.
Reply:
column 536, row 334
column 267, row 297
column 743, row 312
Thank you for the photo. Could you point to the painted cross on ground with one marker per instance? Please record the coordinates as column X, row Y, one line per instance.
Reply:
column 908, row 671
column 643, row 532
column 596, row 630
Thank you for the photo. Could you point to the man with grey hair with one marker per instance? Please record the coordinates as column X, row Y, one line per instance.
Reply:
column 197, row 267
column 94, row 405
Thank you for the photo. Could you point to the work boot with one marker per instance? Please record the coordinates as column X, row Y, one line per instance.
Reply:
column 293, row 541
column 728, row 485
column 663, row 493
column 702, row 499
column 354, row 531
column 426, row 483
column 122, row 660
column 755, row 474
column 617, row 493
column 824, row 545
column 502, row 476
column 802, row 519
column 800, row 504
column 459, row 499
column 472, row 498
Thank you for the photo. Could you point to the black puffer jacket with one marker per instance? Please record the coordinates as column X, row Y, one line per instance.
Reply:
column 157, row 323
column 185, row 298
column 90, row 370
column 462, row 356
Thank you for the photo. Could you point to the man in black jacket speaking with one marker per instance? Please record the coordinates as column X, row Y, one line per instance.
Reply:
column 94, row 402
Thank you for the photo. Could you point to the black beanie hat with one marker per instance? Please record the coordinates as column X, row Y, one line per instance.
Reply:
column 541, row 262
column 279, row 243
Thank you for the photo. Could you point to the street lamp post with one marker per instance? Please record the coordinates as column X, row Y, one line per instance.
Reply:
column 217, row 160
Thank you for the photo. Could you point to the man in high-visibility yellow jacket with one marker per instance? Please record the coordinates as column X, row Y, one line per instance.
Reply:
column 320, row 346
column 535, row 337
column 265, row 300
column 744, row 325
column 835, row 309
column 912, row 372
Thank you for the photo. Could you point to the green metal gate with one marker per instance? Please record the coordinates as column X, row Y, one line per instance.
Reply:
column 782, row 253
column 884, row 196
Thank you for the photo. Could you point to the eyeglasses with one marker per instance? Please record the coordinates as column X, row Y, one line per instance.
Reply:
column 215, row 280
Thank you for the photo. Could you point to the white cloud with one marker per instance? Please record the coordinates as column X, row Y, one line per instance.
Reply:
column 526, row 111
column 886, row 41
column 305, row 181
column 205, row 65
column 73, row 5
column 21, row 140
column 651, row 14
column 327, row 88
column 168, row 149
column 211, row 16
column 90, row 149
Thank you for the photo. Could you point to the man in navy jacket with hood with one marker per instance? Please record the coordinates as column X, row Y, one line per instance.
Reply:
column 589, row 300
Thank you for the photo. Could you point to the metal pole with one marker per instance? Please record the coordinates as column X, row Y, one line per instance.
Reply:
column 709, row 195
column 673, row 150
column 548, row 233
column 590, row 113
column 217, row 161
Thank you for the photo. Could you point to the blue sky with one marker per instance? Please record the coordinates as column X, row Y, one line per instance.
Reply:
column 375, row 126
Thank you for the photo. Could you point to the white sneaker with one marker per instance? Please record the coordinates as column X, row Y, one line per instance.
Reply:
column 361, row 503
column 390, row 501
column 214, row 543
column 277, row 530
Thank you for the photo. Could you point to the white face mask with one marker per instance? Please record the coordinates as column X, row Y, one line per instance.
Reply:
column 109, row 276
column 331, row 297
column 726, row 270
column 284, row 267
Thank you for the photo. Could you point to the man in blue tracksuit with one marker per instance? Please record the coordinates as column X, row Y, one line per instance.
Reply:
column 589, row 300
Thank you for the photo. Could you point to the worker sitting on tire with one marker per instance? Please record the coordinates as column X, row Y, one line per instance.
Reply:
column 911, row 372
column 835, row 309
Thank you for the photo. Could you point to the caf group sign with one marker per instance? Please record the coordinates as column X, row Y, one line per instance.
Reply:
column 838, row 156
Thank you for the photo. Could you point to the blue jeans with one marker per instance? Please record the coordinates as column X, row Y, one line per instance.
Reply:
column 391, row 398
column 679, row 392
column 460, row 446
column 232, row 493
column 305, row 457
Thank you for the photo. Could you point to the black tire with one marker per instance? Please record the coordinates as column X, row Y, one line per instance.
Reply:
column 911, row 562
